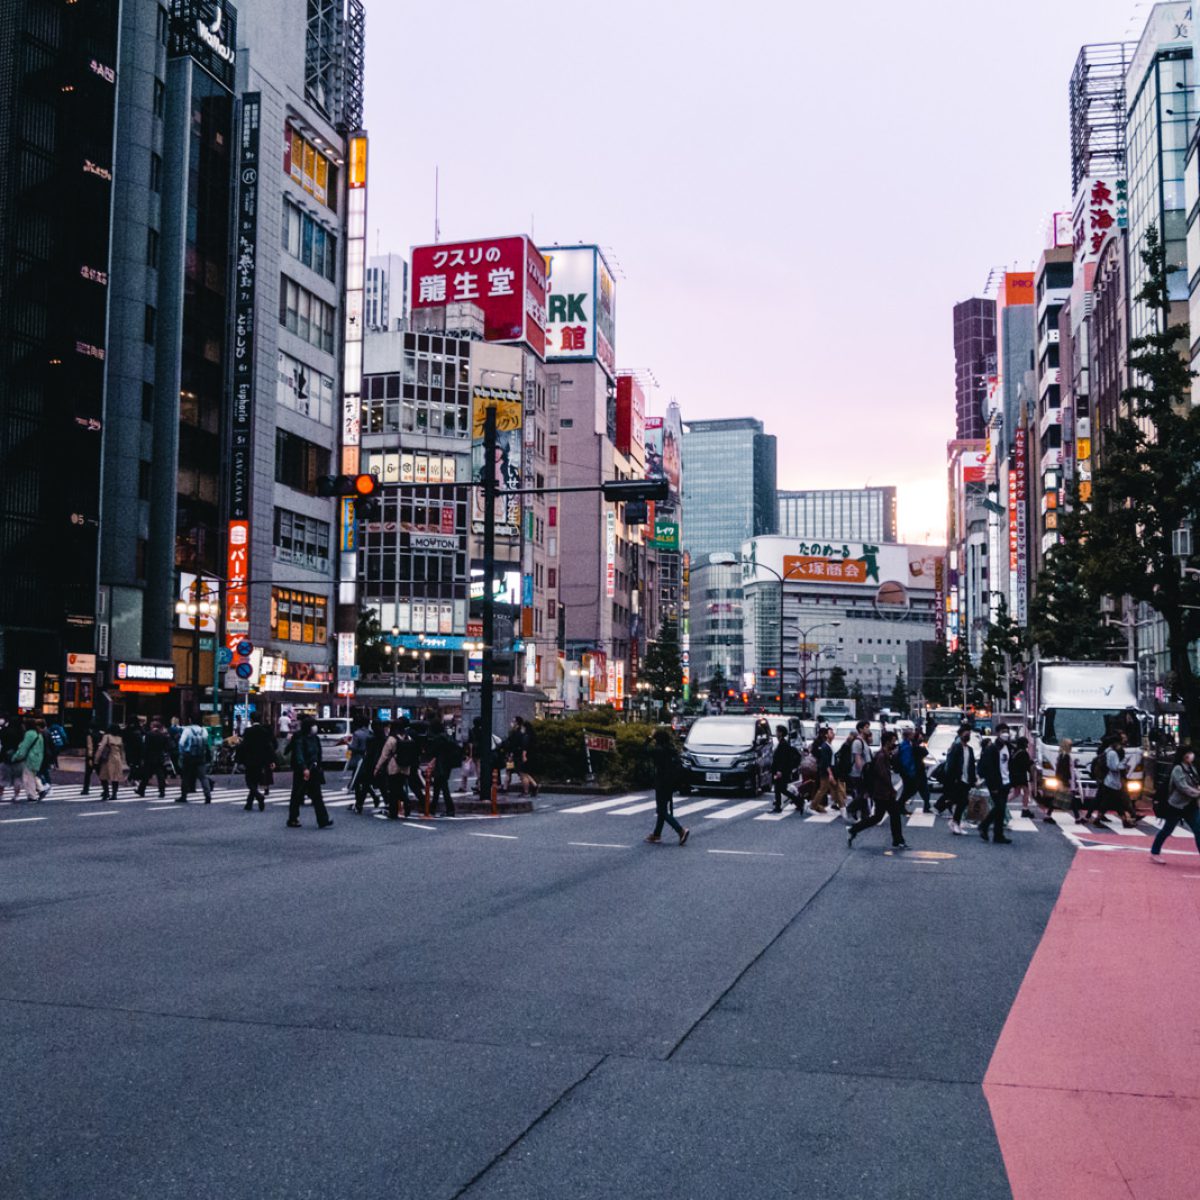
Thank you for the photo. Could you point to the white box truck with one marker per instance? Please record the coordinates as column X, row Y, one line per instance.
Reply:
column 1084, row 701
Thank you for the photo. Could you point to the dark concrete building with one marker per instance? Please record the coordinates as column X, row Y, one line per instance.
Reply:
column 57, row 105
column 974, row 361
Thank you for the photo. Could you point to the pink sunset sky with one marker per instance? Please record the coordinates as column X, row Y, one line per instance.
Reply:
column 794, row 195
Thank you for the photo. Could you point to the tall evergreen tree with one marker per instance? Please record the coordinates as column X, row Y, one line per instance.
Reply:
column 835, row 687
column 899, row 699
column 1000, row 668
column 1147, row 485
column 662, row 667
column 369, row 644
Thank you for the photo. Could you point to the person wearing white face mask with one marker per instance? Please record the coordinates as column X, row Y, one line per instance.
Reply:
column 994, row 767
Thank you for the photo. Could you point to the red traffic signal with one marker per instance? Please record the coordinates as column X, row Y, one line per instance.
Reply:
column 347, row 485
column 771, row 672
column 365, row 485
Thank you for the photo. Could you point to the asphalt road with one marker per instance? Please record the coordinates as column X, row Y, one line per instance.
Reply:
column 196, row 1001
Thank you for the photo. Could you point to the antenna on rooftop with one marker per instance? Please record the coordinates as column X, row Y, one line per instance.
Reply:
column 437, row 228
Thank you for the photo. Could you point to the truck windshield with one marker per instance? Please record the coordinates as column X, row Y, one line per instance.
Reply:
column 1084, row 726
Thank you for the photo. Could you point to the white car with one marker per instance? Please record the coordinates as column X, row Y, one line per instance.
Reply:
column 334, row 735
column 940, row 741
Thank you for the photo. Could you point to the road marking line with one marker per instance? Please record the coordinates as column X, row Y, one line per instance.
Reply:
column 922, row 820
column 597, row 805
column 1021, row 824
column 698, row 805
column 163, row 807
column 407, row 822
column 19, row 820
column 648, row 806
column 108, row 812
column 504, row 837
column 601, row 845
column 736, row 810
column 753, row 853
column 824, row 818
column 790, row 811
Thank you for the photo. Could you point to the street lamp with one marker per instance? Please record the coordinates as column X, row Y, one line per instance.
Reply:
column 802, row 639
column 204, row 605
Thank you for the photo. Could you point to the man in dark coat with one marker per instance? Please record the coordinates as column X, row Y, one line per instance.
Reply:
column 307, row 776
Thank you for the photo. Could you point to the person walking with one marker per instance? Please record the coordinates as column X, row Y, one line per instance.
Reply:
column 526, row 748
column 961, row 775
column 878, row 780
column 307, row 775
column 906, row 764
column 360, row 738
column 28, row 758
column 110, row 762
column 155, row 751
column 49, row 756
column 1068, row 780
column 1182, row 803
column 11, row 734
column 470, row 763
column 784, row 761
column 194, row 755
column 826, row 783
column 666, row 762
column 396, row 762
column 444, row 750
column 856, row 753
column 1020, row 769
column 134, row 738
column 256, row 753
column 994, row 766
column 921, row 753
column 91, row 743
column 1108, row 765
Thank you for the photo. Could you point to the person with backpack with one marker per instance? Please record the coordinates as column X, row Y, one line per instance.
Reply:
column 994, row 766
column 256, row 753
column 1020, row 770
column 1182, row 802
column 445, row 751
column 110, row 762
column 784, row 761
column 667, row 769
column 396, row 762
column 28, row 758
column 307, row 775
column 49, row 756
column 360, row 738
column 826, row 783
column 852, row 759
column 194, row 755
column 877, row 779
column 906, row 765
column 959, row 777
column 1107, row 770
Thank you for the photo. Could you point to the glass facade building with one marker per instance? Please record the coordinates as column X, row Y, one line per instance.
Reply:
column 974, row 361
column 728, row 485
column 865, row 514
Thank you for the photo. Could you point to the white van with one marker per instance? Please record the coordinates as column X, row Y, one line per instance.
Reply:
column 334, row 735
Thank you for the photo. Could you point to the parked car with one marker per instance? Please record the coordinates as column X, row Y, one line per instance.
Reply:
column 729, row 752
column 334, row 734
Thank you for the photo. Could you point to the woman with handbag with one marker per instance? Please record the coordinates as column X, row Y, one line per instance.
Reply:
column 1182, row 802
column 110, row 762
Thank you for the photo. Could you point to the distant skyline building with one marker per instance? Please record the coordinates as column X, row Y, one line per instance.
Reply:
column 385, row 293
column 974, row 361
column 728, row 485
column 850, row 514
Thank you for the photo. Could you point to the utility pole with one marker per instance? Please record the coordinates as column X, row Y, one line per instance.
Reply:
column 487, row 686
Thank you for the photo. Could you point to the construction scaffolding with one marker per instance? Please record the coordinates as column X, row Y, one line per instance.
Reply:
column 1097, row 100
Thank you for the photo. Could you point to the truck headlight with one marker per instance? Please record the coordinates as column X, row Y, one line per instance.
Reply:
column 1050, row 783
column 1134, row 785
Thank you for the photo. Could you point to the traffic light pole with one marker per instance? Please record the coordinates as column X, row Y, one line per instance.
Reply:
column 487, row 685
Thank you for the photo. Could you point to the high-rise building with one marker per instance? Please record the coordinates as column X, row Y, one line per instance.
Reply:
column 715, row 624
column 728, row 485
column 385, row 293
column 58, row 71
column 237, row 168
column 849, row 514
column 974, row 361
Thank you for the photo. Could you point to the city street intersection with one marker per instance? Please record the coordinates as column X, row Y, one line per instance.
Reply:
column 198, row 1001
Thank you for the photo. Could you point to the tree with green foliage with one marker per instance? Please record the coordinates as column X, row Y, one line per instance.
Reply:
column 718, row 685
column 1147, row 485
column 860, row 699
column 369, row 644
column 945, row 676
column 662, row 668
column 1064, row 610
column 835, row 687
column 1000, row 668
column 899, row 702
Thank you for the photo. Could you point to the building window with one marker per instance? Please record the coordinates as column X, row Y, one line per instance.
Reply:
column 301, row 540
column 299, row 462
column 553, row 516
column 155, row 172
column 554, row 456
column 143, row 480
column 152, row 248
column 150, row 324
column 164, row 25
column 305, row 315
column 299, row 617
column 308, row 241
column 305, row 165
column 160, row 97
column 147, row 402
column 304, row 390
column 551, row 577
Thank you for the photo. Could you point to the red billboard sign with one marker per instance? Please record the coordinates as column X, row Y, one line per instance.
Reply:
column 237, row 585
column 505, row 277
column 631, row 408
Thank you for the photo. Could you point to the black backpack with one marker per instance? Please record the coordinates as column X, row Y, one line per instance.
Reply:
column 844, row 760
column 1098, row 768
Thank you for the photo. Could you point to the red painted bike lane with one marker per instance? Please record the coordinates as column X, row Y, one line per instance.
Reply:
column 1094, row 1086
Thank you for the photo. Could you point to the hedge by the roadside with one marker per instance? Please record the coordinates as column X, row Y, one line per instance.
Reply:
column 560, row 756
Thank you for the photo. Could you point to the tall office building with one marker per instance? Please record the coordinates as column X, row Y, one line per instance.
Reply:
column 728, row 485
column 231, row 238
column 57, row 103
column 385, row 293
column 866, row 514
column 974, row 361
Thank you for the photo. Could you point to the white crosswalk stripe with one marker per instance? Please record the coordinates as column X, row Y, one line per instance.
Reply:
column 599, row 805
column 695, row 806
column 727, row 814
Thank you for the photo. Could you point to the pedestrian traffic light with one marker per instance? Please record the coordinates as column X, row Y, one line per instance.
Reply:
column 803, row 695
column 771, row 672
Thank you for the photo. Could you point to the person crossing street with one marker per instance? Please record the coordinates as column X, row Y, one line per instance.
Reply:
column 667, row 767
column 784, row 761
column 994, row 766
column 877, row 780
column 256, row 752
column 307, row 775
